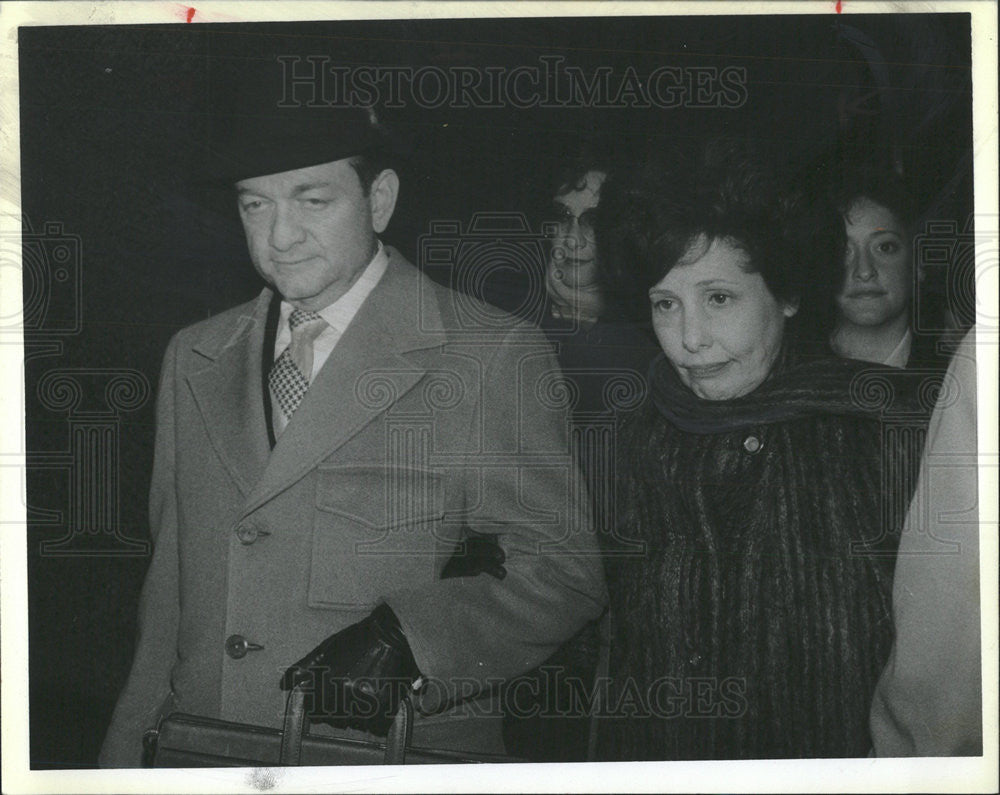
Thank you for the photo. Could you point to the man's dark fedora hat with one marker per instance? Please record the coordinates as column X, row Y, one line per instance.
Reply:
column 255, row 145
column 258, row 131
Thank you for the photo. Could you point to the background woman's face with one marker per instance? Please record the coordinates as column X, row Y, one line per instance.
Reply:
column 574, row 253
column 718, row 324
column 878, row 284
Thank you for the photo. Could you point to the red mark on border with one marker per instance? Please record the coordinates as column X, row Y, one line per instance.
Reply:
column 191, row 11
column 839, row 7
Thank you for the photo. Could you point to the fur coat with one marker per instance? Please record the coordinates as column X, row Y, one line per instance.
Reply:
column 751, row 578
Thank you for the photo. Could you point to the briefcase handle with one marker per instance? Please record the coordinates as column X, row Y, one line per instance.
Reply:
column 294, row 727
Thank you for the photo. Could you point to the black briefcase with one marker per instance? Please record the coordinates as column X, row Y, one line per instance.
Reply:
column 182, row 740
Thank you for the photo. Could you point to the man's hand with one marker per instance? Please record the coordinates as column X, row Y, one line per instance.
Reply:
column 359, row 675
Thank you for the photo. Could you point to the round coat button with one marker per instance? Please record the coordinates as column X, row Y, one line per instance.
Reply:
column 752, row 444
column 236, row 646
column 247, row 534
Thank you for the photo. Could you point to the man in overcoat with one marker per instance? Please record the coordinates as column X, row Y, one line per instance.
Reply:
column 324, row 450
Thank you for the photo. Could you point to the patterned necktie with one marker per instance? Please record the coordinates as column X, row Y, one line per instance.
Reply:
column 290, row 375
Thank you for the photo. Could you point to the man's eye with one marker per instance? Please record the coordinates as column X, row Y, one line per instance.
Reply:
column 719, row 299
column 888, row 247
column 251, row 205
column 317, row 204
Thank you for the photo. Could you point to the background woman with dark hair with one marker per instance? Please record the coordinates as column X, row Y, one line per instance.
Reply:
column 572, row 280
column 756, row 619
column 598, row 341
column 604, row 355
column 875, row 302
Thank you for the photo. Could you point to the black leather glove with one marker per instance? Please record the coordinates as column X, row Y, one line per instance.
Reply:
column 359, row 675
column 479, row 553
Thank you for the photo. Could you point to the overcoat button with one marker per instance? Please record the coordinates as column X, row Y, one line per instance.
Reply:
column 237, row 646
column 752, row 444
column 249, row 533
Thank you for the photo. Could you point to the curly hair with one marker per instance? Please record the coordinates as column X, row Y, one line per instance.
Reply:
column 594, row 153
column 649, row 218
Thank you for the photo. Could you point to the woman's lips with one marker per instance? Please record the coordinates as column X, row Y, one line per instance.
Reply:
column 866, row 294
column 572, row 262
column 705, row 370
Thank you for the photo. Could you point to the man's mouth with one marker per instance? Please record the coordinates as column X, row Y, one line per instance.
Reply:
column 866, row 294
column 286, row 263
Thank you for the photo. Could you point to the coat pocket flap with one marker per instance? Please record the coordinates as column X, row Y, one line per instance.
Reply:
column 380, row 497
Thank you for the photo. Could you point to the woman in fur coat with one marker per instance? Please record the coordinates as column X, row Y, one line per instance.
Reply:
column 760, row 491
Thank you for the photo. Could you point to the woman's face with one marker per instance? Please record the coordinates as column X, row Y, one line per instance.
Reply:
column 718, row 324
column 878, row 282
column 574, row 254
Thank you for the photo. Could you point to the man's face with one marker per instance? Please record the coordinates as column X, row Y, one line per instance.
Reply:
column 311, row 231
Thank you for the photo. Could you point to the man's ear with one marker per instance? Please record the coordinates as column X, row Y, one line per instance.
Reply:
column 382, row 198
column 790, row 308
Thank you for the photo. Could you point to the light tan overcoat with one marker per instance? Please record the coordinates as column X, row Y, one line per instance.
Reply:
column 433, row 413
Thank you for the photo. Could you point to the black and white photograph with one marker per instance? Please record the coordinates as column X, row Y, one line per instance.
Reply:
column 492, row 397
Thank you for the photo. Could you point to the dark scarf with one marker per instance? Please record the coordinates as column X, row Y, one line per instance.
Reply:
column 795, row 389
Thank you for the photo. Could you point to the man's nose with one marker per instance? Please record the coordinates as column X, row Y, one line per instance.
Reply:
column 695, row 332
column 286, row 231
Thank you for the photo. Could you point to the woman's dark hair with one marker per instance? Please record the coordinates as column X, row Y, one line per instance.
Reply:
column 649, row 218
column 877, row 183
column 595, row 153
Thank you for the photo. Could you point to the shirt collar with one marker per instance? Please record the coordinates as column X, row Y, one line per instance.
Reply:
column 901, row 354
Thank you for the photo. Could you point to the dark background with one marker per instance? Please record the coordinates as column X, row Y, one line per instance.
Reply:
column 123, row 245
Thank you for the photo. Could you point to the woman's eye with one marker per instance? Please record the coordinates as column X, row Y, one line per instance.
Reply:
column 560, row 213
column 888, row 247
column 662, row 304
column 718, row 299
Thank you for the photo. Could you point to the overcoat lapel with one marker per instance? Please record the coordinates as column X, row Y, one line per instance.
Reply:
column 366, row 373
column 228, row 394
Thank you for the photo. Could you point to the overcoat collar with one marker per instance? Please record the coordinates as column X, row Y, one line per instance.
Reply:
column 366, row 372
